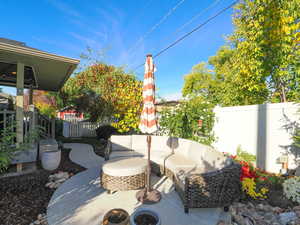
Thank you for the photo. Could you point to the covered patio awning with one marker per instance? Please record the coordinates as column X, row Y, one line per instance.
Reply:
column 25, row 67
column 42, row 70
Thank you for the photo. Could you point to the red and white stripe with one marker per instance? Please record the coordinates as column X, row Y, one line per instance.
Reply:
column 148, row 123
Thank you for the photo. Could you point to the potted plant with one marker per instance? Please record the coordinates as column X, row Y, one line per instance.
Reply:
column 9, row 148
column 145, row 217
column 116, row 217
column 51, row 159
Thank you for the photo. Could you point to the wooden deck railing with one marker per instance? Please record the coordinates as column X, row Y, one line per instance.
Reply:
column 32, row 121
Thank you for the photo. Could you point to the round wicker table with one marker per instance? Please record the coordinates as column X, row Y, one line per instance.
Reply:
column 124, row 174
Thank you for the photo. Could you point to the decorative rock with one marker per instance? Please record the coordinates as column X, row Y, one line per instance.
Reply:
column 296, row 208
column 48, row 184
column 287, row 217
column 55, row 180
column 263, row 214
column 295, row 222
column 277, row 210
column 221, row 222
column 260, row 207
column 61, row 180
column 60, row 175
column 41, row 220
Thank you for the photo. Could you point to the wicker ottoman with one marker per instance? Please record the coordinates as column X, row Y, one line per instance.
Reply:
column 124, row 174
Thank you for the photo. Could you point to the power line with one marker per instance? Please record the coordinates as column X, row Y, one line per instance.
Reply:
column 196, row 16
column 189, row 33
column 153, row 28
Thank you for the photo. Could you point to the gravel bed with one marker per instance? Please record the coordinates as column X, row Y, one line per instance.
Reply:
column 24, row 197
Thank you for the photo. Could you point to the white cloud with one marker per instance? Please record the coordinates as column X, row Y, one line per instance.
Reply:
column 65, row 8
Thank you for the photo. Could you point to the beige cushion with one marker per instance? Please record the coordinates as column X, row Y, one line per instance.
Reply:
column 123, row 153
column 212, row 159
column 139, row 143
column 182, row 147
column 121, row 142
column 196, row 151
column 176, row 162
column 125, row 166
column 161, row 143
column 158, row 157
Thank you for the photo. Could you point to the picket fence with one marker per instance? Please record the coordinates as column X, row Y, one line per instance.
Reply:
column 80, row 129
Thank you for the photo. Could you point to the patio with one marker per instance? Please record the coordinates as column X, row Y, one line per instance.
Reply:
column 81, row 200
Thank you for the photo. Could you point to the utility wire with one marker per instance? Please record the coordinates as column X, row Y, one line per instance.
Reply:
column 153, row 28
column 191, row 20
column 189, row 33
column 196, row 16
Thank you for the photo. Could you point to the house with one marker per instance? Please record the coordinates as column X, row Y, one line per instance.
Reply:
column 24, row 67
column 7, row 101
column 70, row 114
column 160, row 106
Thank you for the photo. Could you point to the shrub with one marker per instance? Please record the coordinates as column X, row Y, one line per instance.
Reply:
column 245, row 156
column 8, row 147
column 249, row 187
column 291, row 189
column 183, row 121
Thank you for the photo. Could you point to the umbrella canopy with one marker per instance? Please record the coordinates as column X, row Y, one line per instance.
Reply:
column 148, row 123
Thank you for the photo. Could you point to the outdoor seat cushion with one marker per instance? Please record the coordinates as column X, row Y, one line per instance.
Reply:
column 213, row 160
column 125, row 166
column 158, row 157
column 123, row 153
column 158, row 144
column 121, row 142
column 177, row 162
column 181, row 146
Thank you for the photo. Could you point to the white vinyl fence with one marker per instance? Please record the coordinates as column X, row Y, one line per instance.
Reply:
column 264, row 130
column 79, row 129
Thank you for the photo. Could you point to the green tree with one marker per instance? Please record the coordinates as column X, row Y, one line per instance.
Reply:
column 261, row 62
column 202, row 82
column 105, row 92
column 266, row 40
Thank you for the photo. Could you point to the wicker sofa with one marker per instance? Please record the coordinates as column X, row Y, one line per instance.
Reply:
column 203, row 177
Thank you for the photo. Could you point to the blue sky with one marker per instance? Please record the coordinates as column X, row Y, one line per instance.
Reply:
column 123, row 30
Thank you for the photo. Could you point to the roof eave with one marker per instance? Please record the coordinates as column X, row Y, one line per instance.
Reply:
column 37, row 53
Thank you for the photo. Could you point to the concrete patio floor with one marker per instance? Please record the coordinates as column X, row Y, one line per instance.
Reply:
column 81, row 201
column 84, row 155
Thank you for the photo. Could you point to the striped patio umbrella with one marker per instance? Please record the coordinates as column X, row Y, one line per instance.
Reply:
column 148, row 125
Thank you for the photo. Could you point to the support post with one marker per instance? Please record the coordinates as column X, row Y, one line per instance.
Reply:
column 53, row 128
column 30, row 100
column 34, row 119
column 20, row 102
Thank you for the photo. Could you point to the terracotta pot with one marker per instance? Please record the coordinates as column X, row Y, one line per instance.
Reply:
column 144, row 212
column 110, row 217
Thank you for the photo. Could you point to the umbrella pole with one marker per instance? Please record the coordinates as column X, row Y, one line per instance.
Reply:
column 149, row 164
column 148, row 195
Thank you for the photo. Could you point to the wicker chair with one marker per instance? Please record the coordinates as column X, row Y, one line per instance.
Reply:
column 209, row 190
column 206, row 178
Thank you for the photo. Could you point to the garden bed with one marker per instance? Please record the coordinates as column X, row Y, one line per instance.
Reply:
column 24, row 197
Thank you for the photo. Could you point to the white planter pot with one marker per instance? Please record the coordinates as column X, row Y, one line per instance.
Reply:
column 51, row 159
column 144, row 211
